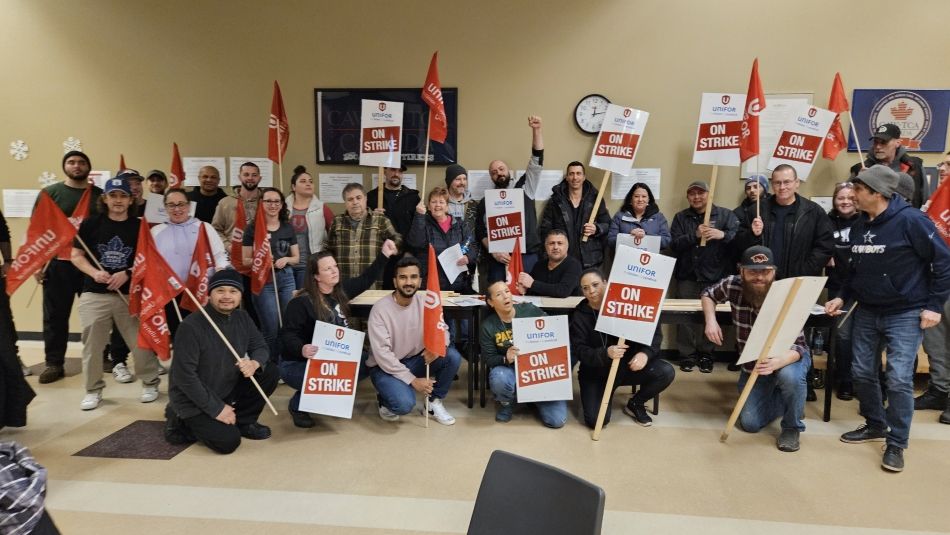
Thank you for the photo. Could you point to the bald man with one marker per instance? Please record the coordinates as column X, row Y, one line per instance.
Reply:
column 207, row 194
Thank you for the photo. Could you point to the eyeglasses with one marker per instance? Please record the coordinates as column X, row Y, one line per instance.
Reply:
column 782, row 183
column 272, row 202
column 847, row 184
column 175, row 206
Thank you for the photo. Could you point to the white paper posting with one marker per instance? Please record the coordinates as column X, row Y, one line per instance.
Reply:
column 548, row 179
column 621, row 184
column 449, row 260
column 99, row 178
column 19, row 202
column 332, row 184
column 478, row 182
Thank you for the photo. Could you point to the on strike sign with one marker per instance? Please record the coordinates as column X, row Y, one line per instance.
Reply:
column 329, row 383
column 635, row 293
column 804, row 131
column 619, row 138
column 504, row 216
column 381, row 133
column 543, row 366
column 720, row 123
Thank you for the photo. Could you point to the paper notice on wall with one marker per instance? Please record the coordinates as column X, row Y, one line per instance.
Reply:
column 478, row 182
column 332, row 185
column 621, row 184
column 193, row 165
column 19, row 202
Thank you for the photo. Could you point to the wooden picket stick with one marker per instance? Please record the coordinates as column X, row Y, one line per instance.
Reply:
column 380, row 181
column 427, row 397
column 600, row 197
column 229, row 346
column 847, row 315
column 857, row 142
column 273, row 276
column 177, row 310
column 99, row 266
column 608, row 391
column 709, row 200
column 33, row 293
column 763, row 355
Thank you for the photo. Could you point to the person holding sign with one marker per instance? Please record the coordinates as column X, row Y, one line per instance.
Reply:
column 639, row 216
column 399, row 200
column 442, row 231
column 780, row 389
column 499, row 354
column 397, row 365
column 570, row 208
column 558, row 276
column 640, row 364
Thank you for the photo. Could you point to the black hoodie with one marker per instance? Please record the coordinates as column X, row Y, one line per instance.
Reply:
column 590, row 346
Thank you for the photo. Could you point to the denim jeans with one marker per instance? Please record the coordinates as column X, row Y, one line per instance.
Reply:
column 902, row 333
column 937, row 346
column 400, row 397
column 501, row 380
column 266, row 307
column 292, row 372
column 300, row 271
column 778, row 394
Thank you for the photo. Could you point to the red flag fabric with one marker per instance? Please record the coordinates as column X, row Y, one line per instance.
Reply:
column 939, row 210
column 49, row 231
column 432, row 95
column 261, row 260
column 237, row 239
column 122, row 166
column 433, row 323
column 837, row 102
column 80, row 213
column 199, row 273
column 754, row 104
column 515, row 267
column 159, row 285
column 278, row 130
column 138, row 269
column 176, row 177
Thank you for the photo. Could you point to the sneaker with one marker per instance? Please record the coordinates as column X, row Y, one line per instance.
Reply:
column 932, row 399
column 437, row 410
column 687, row 363
column 503, row 414
column 863, row 434
column 149, row 393
column 254, row 431
column 638, row 412
column 51, row 374
column 387, row 414
column 301, row 419
column 893, row 459
column 788, row 440
column 90, row 401
column 706, row 363
column 845, row 391
column 121, row 373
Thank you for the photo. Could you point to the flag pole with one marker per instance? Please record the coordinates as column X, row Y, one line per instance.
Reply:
column 229, row 346
column 758, row 210
column 427, row 396
column 608, row 393
column 99, row 266
column 273, row 276
column 709, row 200
column 177, row 311
column 425, row 170
column 38, row 283
column 857, row 143
column 379, row 188
column 600, row 197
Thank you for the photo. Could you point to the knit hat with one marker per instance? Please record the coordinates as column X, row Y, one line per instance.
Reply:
column 879, row 178
column 226, row 277
column 761, row 179
column 905, row 186
column 79, row 153
column 453, row 171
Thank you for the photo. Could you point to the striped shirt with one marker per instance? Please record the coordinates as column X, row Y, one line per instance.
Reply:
column 22, row 490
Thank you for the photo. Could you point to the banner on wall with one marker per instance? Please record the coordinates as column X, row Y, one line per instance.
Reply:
column 801, row 138
column 720, row 124
column 921, row 114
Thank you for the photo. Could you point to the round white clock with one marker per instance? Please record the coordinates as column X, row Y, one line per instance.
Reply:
column 589, row 113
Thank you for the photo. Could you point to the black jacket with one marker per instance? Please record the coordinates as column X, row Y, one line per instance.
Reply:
column 559, row 214
column 589, row 346
column 903, row 163
column 704, row 264
column 808, row 238
column 842, row 255
column 401, row 211
column 425, row 230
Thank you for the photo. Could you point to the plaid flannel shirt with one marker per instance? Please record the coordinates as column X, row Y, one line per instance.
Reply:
column 355, row 248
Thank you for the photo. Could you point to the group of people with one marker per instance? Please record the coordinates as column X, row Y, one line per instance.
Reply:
column 322, row 260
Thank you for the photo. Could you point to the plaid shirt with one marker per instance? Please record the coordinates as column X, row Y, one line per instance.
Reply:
column 729, row 290
column 355, row 248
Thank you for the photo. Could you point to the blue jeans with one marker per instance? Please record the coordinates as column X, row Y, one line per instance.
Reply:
column 266, row 307
column 902, row 333
column 292, row 372
column 400, row 397
column 300, row 271
column 778, row 394
column 501, row 380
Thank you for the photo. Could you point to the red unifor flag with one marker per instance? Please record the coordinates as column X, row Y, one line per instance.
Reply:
column 138, row 269
column 754, row 104
column 261, row 258
column 939, row 210
column 159, row 286
column 837, row 102
column 199, row 272
column 432, row 95
column 122, row 166
column 176, row 177
column 237, row 239
column 49, row 231
column 278, row 130
column 433, row 323
column 515, row 267
column 80, row 213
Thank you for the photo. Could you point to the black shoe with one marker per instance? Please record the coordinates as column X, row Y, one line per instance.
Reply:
column 733, row 367
column 893, row 460
column 301, row 419
column 175, row 431
column 638, row 412
column 932, row 399
column 845, row 391
column 811, row 395
column 51, row 374
column 254, row 431
column 863, row 434
column 705, row 363
column 788, row 440
column 687, row 363
column 945, row 416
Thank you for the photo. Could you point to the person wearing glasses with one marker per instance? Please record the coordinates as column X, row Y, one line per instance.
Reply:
column 843, row 216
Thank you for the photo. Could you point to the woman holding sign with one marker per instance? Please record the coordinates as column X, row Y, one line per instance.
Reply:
column 640, row 364
column 500, row 355
column 324, row 299
column 639, row 216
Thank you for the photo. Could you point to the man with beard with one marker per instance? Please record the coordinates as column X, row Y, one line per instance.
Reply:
column 500, row 175
column 247, row 192
column 399, row 201
column 886, row 150
column 397, row 364
column 779, row 390
column 61, row 281
column 461, row 204
column 207, row 195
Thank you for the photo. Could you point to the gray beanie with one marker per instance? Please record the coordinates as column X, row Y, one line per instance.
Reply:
column 905, row 186
column 879, row 178
column 452, row 171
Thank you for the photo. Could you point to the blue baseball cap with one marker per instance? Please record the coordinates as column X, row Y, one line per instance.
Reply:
column 118, row 184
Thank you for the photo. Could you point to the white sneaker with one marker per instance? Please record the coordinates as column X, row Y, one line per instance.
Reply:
column 121, row 373
column 437, row 410
column 149, row 393
column 387, row 414
column 90, row 401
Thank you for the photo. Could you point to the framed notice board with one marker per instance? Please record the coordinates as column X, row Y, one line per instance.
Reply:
column 337, row 121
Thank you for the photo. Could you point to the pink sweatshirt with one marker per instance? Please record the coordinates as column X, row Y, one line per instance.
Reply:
column 395, row 332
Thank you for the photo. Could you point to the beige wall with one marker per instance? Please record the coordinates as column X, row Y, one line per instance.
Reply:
column 132, row 76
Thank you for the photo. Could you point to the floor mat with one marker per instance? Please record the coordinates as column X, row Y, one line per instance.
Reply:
column 142, row 439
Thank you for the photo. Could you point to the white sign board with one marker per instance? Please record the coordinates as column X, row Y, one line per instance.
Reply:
column 193, row 165
column 621, row 184
column 155, row 208
column 619, row 138
column 381, row 133
column 543, row 366
column 634, row 295
column 329, row 383
column 19, row 202
column 771, row 123
column 264, row 164
column 720, row 124
column 795, row 318
column 408, row 180
column 332, row 185
column 504, row 217
column 647, row 243
column 805, row 129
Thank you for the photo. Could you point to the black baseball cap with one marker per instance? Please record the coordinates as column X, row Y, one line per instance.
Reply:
column 886, row 132
column 757, row 257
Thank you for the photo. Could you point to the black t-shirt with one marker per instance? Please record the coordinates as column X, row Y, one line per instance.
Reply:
column 113, row 244
column 562, row 281
column 280, row 239
column 204, row 210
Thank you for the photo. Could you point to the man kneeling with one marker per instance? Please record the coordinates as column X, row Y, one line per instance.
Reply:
column 211, row 396
column 780, row 389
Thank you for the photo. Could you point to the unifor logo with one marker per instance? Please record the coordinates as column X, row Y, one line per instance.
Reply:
column 726, row 99
column 637, row 240
column 502, row 194
column 432, row 300
column 539, row 323
column 382, row 106
column 644, row 258
column 627, row 112
column 339, row 334
column 812, row 112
